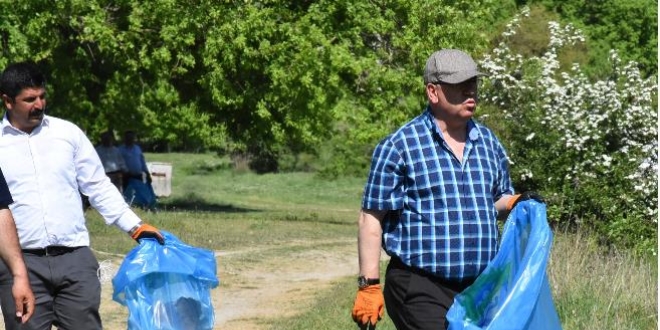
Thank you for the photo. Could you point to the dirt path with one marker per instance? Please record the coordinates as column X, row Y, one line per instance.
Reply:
column 262, row 283
column 256, row 284
column 279, row 284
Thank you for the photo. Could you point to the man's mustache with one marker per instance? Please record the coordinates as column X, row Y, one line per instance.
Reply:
column 37, row 112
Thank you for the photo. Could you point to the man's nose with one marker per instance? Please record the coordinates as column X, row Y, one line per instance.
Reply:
column 40, row 103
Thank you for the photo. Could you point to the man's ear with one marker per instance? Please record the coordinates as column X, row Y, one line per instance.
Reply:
column 432, row 92
column 7, row 101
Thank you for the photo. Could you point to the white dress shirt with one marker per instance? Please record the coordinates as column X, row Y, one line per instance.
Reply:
column 45, row 171
column 111, row 159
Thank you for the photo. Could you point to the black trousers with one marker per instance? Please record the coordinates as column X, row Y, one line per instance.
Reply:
column 417, row 301
column 66, row 288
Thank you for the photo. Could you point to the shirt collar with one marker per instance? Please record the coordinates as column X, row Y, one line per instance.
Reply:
column 473, row 130
column 5, row 125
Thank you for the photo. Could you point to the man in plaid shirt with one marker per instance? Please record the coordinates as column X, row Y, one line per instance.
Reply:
column 435, row 190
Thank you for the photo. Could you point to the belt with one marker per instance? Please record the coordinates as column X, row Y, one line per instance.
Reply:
column 456, row 285
column 52, row 250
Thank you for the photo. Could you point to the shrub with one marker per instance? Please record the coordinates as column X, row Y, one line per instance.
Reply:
column 589, row 145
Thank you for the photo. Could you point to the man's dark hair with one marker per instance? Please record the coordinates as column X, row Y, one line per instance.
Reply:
column 18, row 76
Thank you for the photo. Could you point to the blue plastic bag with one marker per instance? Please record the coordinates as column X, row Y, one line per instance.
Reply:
column 513, row 291
column 167, row 287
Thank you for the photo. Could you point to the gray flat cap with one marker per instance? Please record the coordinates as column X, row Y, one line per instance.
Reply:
column 450, row 66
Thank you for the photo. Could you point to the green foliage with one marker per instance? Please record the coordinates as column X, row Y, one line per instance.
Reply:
column 392, row 41
column 533, row 39
column 589, row 145
column 259, row 79
column 121, row 65
column 271, row 78
column 628, row 26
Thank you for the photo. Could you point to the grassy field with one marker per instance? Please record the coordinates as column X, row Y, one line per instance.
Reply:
column 217, row 208
column 278, row 214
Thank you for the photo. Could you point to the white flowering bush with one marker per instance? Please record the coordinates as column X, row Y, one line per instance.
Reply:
column 589, row 145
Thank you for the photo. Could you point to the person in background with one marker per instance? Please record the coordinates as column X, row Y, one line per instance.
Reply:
column 12, row 267
column 137, row 181
column 112, row 160
column 435, row 190
column 134, row 158
column 47, row 162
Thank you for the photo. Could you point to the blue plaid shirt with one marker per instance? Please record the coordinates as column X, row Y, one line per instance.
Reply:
column 443, row 217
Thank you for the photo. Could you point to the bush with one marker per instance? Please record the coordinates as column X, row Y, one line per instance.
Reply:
column 589, row 145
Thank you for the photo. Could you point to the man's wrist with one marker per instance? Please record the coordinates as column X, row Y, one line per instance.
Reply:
column 364, row 282
column 21, row 275
column 134, row 229
column 512, row 200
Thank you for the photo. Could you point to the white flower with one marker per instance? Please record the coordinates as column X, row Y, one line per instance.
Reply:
column 584, row 115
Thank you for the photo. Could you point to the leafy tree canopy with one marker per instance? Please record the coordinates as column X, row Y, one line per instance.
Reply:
column 255, row 77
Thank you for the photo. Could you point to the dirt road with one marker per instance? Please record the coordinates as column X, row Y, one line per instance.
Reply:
column 280, row 284
column 256, row 284
column 261, row 283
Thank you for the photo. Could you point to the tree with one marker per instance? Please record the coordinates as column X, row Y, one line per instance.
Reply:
column 589, row 145
column 628, row 26
column 260, row 78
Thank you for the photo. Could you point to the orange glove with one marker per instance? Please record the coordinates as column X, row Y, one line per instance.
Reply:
column 147, row 231
column 368, row 306
column 527, row 195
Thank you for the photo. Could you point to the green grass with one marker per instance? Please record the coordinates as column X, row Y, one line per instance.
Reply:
column 210, row 186
column 332, row 310
column 211, row 206
column 221, row 210
column 593, row 290
column 590, row 291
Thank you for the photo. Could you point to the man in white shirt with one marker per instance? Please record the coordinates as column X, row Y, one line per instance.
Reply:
column 48, row 162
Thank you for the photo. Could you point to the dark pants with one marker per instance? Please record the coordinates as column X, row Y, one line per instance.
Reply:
column 415, row 300
column 66, row 287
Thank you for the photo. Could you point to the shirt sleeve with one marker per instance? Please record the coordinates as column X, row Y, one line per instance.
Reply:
column 384, row 189
column 5, row 195
column 505, row 186
column 103, row 195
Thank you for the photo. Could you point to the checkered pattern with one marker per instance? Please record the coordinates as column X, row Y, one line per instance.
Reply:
column 444, row 217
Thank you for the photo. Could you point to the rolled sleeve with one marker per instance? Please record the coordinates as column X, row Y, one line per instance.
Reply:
column 505, row 186
column 384, row 189
column 103, row 195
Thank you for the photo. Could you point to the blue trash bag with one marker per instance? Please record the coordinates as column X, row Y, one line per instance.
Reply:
column 513, row 291
column 167, row 287
column 140, row 194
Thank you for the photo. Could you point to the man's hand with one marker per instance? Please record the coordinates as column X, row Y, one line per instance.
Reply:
column 148, row 231
column 527, row 195
column 23, row 298
column 369, row 306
